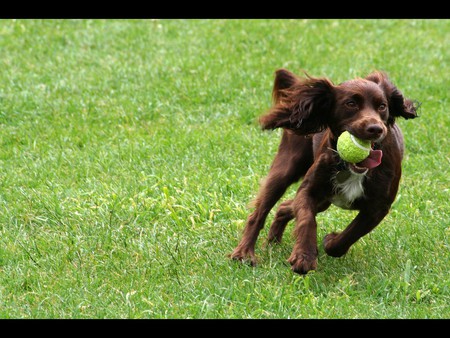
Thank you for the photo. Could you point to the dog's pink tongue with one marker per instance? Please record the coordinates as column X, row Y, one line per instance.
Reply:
column 373, row 160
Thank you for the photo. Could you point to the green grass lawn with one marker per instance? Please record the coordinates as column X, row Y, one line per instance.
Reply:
column 130, row 150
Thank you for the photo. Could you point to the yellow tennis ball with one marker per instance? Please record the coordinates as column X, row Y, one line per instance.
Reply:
column 352, row 149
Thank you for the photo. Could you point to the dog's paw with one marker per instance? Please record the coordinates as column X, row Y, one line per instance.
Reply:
column 302, row 262
column 331, row 245
column 244, row 255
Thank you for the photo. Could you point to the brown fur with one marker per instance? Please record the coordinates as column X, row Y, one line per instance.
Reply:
column 313, row 113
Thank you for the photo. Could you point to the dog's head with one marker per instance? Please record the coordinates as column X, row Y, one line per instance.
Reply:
column 365, row 107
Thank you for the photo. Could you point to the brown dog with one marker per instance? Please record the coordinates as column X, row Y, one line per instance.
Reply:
column 313, row 113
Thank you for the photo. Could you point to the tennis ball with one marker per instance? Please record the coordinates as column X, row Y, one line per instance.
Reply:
column 351, row 148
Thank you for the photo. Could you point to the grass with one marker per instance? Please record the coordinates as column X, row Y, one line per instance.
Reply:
column 130, row 150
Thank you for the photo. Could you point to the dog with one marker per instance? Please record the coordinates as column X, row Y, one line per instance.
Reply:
column 313, row 112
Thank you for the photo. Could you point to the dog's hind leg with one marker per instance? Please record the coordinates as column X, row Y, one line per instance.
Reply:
column 284, row 214
column 270, row 192
column 293, row 159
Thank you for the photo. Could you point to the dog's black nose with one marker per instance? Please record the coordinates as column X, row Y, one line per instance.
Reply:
column 374, row 130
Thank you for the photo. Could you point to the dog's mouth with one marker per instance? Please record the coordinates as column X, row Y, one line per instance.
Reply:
column 370, row 162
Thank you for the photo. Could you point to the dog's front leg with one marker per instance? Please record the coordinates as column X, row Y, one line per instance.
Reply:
column 304, row 254
column 311, row 198
column 337, row 244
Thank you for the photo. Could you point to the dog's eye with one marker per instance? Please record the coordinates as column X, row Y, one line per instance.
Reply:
column 351, row 104
column 382, row 107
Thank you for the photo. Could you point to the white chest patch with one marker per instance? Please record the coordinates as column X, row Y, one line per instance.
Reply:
column 347, row 189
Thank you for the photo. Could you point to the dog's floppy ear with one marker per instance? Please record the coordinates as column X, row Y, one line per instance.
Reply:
column 301, row 105
column 284, row 79
column 398, row 104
